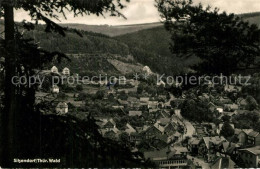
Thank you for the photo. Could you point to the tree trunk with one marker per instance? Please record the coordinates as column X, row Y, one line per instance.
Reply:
column 8, row 116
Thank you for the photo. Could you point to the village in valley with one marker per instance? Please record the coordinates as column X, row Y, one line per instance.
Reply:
column 202, row 127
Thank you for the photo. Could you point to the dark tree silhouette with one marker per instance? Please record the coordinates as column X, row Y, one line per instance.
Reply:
column 227, row 131
column 25, row 132
column 224, row 42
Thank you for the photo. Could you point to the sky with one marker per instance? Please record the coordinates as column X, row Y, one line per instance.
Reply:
column 144, row 11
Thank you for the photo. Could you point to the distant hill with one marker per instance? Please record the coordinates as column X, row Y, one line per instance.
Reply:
column 106, row 48
column 125, row 29
column 253, row 18
column 113, row 30
column 151, row 47
column 90, row 55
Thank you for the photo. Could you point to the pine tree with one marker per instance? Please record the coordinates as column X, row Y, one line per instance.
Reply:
column 25, row 133
column 223, row 42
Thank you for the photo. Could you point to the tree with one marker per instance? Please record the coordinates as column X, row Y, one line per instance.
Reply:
column 79, row 88
column 223, row 42
column 174, row 104
column 140, row 88
column 82, row 96
column 252, row 103
column 99, row 94
column 225, row 118
column 123, row 95
column 20, row 52
column 227, row 130
column 124, row 138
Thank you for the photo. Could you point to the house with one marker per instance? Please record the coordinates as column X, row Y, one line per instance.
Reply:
column 220, row 109
column 253, row 138
column 54, row 69
column 161, row 105
column 208, row 146
column 55, row 89
column 223, row 162
column 230, row 107
column 225, row 100
column 162, row 114
column 228, row 148
column 232, row 88
column 109, row 124
column 153, row 131
column 129, row 129
column 163, row 121
column 62, row 108
column 200, row 131
column 144, row 99
column 177, row 112
column 66, row 71
column 147, row 70
column 135, row 113
column 174, row 157
column 212, row 106
column 112, row 133
column 242, row 103
column 242, row 135
column 161, row 96
column 118, row 107
column 123, row 103
column 153, row 111
column 193, row 145
column 153, row 104
column 135, row 137
column 250, row 157
column 134, row 102
column 170, row 128
column 242, row 111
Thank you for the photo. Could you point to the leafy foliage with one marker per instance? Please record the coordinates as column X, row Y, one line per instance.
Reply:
column 227, row 131
column 224, row 42
column 197, row 110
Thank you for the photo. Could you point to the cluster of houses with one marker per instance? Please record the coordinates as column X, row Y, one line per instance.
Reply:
column 165, row 128
column 163, row 135
column 65, row 71
column 247, row 149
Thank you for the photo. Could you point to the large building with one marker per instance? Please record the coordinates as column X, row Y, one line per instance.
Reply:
column 253, row 138
column 62, row 108
column 250, row 157
column 54, row 69
column 66, row 71
column 171, row 157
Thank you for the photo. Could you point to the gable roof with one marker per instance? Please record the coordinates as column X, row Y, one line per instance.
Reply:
column 255, row 150
column 129, row 129
column 215, row 140
column 122, row 102
column 164, row 121
column 159, row 127
column 227, row 146
column 223, row 162
column 253, row 134
column 171, row 124
column 194, row 141
column 178, row 150
column 144, row 99
column 135, row 113
column 246, row 131
column 66, row 68
column 62, row 105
